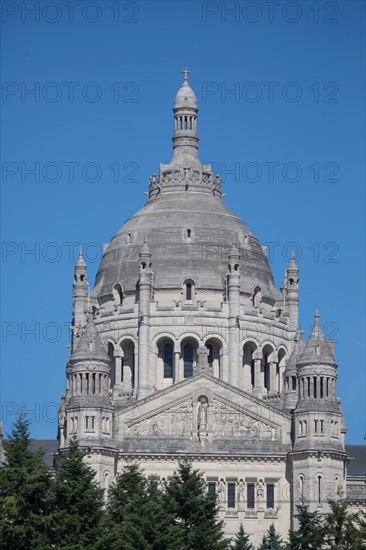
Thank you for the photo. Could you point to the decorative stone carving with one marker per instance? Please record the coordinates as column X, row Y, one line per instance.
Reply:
column 232, row 422
column 154, row 184
column 216, row 188
column 176, row 421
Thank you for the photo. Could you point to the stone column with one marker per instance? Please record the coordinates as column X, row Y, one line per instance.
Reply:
column 234, row 317
column 176, row 377
column 144, row 388
column 117, row 354
column 225, row 364
column 272, row 377
column 258, row 376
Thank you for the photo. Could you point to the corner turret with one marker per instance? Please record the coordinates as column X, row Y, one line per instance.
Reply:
column 318, row 455
column 88, row 409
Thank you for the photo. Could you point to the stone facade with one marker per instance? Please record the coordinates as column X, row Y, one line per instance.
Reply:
column 186, row 348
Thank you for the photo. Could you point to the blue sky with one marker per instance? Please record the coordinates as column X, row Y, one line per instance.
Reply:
column 289, row 141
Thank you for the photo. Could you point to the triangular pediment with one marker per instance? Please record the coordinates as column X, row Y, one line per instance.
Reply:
column 202, row 407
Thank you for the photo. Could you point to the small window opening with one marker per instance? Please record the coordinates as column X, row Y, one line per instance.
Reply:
column 231, row 495
column 189, row 291
column 168, row 360
column 250, row 495
column 211, row 488
column 270, row 495
column 188, row 360
column 319, row 489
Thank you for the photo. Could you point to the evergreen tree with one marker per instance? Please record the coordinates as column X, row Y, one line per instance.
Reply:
column 310, row 534
column 241, row 541
column 25, row 493
column 138, row 516
column 271, row 540
column 360, row 520
column 78, row 505
column 196, row 510
column 341, row 530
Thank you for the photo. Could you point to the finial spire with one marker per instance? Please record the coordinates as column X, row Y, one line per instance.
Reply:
column 80, row 261
column 186, row 72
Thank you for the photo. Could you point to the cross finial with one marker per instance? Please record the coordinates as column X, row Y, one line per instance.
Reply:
column 186, row 72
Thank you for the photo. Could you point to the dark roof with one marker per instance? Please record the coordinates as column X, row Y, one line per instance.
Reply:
column 48, row 445
column 357, row 464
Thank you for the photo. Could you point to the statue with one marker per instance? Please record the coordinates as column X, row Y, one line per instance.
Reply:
column 221, row 492
column 216, row 185
column 154, row 184
column 260, row 490
column 202, row 413
column 241, row 491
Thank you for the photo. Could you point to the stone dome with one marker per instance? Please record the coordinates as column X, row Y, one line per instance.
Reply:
column 190, row 235
column 185, row 97
column 189, row 230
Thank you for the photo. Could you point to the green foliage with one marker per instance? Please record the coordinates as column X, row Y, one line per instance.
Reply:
column 78, row 502
column 241, row 541
column 271, row 540
column 342, row 528
column 39, row 511
column 139, row 516
column 360, row 521
column 25, row 493
column 310, row 534
column 196, row 510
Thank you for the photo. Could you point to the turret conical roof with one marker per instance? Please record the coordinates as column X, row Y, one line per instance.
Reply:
column 90, row 346
column 317, row 350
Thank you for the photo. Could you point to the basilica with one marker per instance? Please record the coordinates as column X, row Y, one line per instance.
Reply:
column 185, row 348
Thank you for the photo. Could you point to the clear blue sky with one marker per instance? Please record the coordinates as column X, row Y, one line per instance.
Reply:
column 105, row 78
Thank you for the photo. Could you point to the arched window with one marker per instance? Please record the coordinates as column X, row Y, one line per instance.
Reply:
column 188, row 359
column 301, row 488
column 168, row 360
column 188, row 290
column 319, row 489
